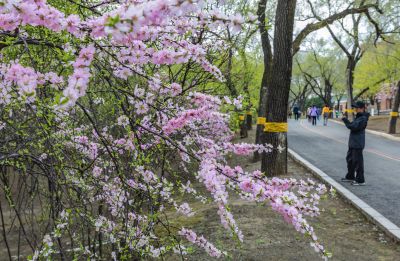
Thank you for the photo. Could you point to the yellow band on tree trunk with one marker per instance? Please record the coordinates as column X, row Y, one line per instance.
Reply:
column 349, row 110
column 394, row 114
column 276, row 127
column 261, row 121
column 249, row 113
column 241, row 118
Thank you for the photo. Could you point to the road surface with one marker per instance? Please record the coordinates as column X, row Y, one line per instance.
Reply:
column 326, row 147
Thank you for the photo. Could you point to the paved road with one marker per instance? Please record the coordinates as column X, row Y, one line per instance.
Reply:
column 326, row 147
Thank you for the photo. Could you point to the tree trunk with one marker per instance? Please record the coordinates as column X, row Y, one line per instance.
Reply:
column 349, row 84
column 267, row 51
column 249, row 121
column 395, row 111
column 243, row 128
column 228, row 75
column 275, row 162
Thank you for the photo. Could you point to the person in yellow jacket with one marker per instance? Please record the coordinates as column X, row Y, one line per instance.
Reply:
column 326, row 112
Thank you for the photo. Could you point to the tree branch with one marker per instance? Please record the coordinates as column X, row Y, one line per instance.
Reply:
column 361, row 93
column 327, row 21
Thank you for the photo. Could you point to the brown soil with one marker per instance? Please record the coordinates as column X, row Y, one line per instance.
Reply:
column 343, row 230
column 381, row 123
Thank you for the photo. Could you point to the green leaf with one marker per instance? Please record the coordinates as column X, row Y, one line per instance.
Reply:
column 112, row 21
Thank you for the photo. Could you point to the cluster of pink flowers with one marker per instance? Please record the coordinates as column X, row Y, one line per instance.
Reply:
column 79, row 80
column 184, row 118
column 26, row 79
column 200, row 99
column 191, row 236
column 246, row 148
column 88, row 148
column 14, row 14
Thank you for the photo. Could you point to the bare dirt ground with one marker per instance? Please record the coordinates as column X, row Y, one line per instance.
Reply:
column 381, row 123
column 343, row 230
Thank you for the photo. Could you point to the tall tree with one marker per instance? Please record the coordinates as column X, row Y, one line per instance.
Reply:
column 321, row 72
column 267, row 51
column 351, row 43
column 381, row 65
column 276, row 82
column 394, row 115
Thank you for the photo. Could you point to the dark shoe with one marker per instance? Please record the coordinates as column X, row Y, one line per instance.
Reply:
column 355, row 183
column 347, row 180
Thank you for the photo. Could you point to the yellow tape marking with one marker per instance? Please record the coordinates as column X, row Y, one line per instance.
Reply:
column 249, row 113
column 241, row 118
column 261, row 121
column 349, row 110
column 394, row 114
column 276, row 127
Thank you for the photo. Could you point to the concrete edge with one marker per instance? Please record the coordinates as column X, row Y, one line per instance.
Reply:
column 389, row 228
column 377, row 133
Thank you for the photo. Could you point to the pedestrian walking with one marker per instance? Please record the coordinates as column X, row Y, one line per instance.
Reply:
column 290, row 114
column 314, row 114
column 296, row 113
column 309, row 114
column 325, row 113
column 318, row 113
column 354, row 158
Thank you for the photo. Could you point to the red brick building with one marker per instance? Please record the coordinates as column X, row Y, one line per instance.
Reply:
column 383, row 101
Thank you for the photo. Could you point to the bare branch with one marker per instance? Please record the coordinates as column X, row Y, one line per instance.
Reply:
column 327, row 21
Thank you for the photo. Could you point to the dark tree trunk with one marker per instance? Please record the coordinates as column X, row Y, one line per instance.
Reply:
column 228, row 75
column 267, row 50
column 328, row 93
column 395, row 111
column 275, row 162
column 349, row 82
column 249, row 121
column 243, row 128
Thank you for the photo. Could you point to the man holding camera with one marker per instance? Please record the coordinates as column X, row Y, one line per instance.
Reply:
column 354, row 158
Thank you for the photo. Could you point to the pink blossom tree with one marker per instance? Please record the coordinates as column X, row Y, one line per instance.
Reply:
column 104, row 129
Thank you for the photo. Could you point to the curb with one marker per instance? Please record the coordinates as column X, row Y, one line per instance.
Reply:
column 389, row 228
column 378, row 133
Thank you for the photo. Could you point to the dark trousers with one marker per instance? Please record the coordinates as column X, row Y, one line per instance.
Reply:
column 314, row 120
column 326, row 120
column 296, row 116
column 355, row 164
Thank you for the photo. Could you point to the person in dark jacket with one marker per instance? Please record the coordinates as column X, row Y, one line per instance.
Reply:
column 296, row 113
column 354, row 158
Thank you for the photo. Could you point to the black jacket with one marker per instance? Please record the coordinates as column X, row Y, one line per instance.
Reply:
column 357, row 130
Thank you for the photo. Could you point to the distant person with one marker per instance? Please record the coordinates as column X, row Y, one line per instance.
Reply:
column 354, row 158
column 314, row 114
column 296, row 113
column 290, row 114
column 309, row 114
column 318, row 113
column 325, row 113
